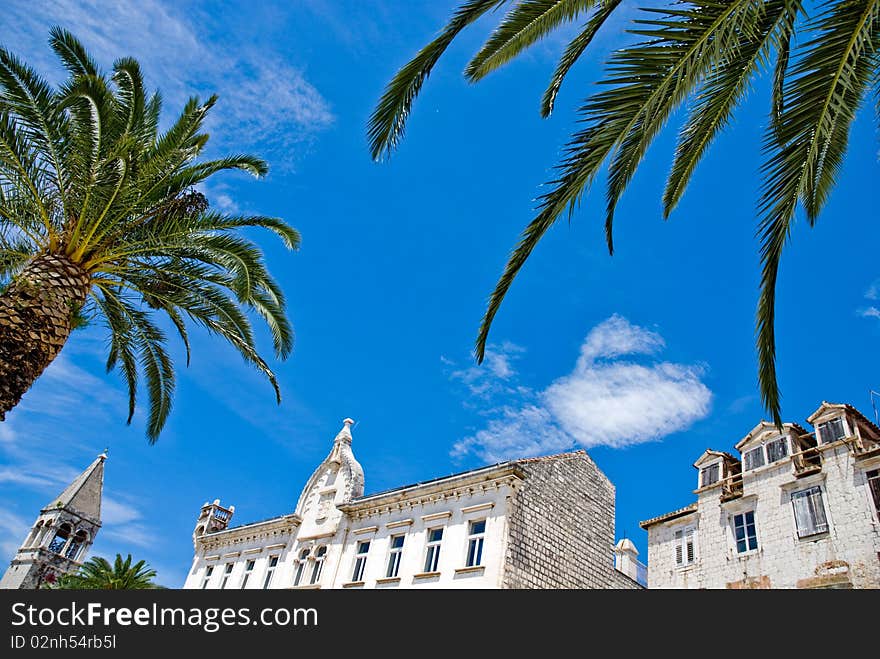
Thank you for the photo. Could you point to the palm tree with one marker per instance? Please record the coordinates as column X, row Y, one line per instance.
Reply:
column 97, row 574
column 705, row 55
column 100, row 219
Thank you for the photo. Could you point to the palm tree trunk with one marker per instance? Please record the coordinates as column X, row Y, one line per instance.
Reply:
column 36, row 314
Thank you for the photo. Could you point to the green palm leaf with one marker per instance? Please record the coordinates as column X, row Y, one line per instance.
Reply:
column 823, row 90
column 524, row 25
column 573, row 52
column 388, row 121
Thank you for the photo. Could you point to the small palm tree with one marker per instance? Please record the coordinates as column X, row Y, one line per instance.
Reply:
column 100, row 220
column 98, row 574
column 824, row 60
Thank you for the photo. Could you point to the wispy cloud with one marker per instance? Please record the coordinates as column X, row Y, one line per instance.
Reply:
column 605, row 401
column 872, row 294
column 263, row 99
column 490, row 377
column 123, row 522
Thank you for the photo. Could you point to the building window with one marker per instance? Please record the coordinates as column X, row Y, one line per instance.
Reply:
column 226, row 574
column 874, row 488
column 709, row 475
column 208, row 572
column 476, row 536
column 394, row 556
column 777, row 449
column 754, row 458
column 76, row 544
column 432, row 551
column 300, row 567
column 360, row 560
column 744, row 532
column 60, row 538
column 320, row 553
column 685, row 546
column 248, row 569
column 831, row 431
column 270, row 570
column 809, row 512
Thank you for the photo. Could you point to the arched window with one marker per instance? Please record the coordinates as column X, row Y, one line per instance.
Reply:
column 320, row 553
column 34, row 537
column 60, row 538
column 75, row 546
column 300, row 566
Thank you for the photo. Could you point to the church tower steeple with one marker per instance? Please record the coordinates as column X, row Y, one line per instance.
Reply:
column 62, row 534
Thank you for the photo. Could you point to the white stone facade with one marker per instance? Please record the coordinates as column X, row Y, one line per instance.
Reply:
column 451, row 532
column 797, row 510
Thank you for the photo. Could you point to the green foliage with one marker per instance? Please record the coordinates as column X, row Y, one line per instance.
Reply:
column 85, row 172
column 98, row 574
column 701, row 54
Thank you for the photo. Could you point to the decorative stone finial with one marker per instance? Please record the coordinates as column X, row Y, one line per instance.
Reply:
column 348, row 422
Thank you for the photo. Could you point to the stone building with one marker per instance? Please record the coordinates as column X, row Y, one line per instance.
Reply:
column 795, row 509
column 543, row 522
column 62, row 534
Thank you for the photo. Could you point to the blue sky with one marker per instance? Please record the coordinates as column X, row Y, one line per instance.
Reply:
column 645, row 358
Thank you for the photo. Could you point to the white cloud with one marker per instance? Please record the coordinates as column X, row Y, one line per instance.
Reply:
column 488, row 378
column 262, row 98
column 873, row 293
column 114, row 511
column 130, row 534
column 605, row 401
column 616, row 337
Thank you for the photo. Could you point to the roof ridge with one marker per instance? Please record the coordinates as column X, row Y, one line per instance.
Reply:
column 555, row 456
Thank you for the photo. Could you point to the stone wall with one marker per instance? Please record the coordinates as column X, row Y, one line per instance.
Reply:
column 561, row 526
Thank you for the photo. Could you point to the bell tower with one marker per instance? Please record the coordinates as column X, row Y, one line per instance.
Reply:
column 212, row 518
column 62, row 534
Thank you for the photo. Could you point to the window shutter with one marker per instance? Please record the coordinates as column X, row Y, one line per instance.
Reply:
column 805, row 511
column 689, row 539
column 820, row 522
column 679, row 557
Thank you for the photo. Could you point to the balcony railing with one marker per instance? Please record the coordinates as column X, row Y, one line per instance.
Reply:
column 808, row 460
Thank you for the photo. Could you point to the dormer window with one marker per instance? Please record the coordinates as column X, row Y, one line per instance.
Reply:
column 765, row 454
column 831, row 431
column 710, row 474
column 777, row 449
column 753, row 458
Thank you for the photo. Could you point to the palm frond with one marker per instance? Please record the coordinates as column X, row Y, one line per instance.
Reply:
column 722, row 90
column 526, row 23
column 72, row 53
column 805, row 148
column 573, row 52
column 651, row 79
column 388, row 122
column 33, row 103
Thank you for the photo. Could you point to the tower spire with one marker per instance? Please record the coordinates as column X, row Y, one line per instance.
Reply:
column 62, row 534
column 83, row 495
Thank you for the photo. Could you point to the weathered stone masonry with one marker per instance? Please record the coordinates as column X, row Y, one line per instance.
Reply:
column 561, row 526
